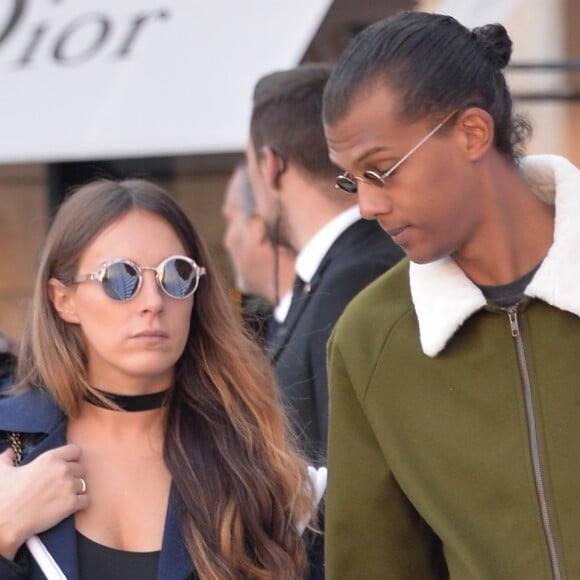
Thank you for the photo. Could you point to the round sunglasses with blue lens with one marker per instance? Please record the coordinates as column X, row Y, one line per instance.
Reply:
column 177, row 276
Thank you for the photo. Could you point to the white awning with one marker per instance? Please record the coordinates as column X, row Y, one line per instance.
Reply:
column 101, row 79
column 474, row 13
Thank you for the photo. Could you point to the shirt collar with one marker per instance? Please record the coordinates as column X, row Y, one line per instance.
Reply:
column 281, row 309
column 310, row 257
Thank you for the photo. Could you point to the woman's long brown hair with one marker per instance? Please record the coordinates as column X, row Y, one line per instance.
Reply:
column 243, row 489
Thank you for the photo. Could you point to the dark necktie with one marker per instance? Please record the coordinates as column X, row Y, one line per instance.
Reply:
column 276, row 331
column 300, row 290
column 272, row 327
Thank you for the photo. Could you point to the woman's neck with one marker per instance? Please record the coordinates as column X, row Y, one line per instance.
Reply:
column 128, row 403
column 123, row 384
column 120, row 426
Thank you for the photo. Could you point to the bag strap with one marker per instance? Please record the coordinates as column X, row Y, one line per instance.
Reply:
column 16, row 444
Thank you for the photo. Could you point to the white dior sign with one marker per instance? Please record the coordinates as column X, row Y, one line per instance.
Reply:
column 97, row 79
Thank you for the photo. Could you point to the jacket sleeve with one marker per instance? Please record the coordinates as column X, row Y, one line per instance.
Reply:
column 372, row 529
column 18, row 569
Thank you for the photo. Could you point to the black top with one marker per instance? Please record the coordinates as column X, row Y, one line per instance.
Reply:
column 98, row 562
column 506, row 295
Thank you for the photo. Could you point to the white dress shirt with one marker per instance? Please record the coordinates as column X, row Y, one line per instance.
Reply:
column 310, row 257
column 312, row 254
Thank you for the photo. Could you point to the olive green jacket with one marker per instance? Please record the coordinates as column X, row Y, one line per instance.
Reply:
column 454, row 445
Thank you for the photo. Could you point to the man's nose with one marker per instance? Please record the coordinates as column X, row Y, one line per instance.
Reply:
column 373, row 201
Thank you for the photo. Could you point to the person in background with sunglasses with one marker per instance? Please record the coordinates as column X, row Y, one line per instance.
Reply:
column 455, row 377
column 152, row 441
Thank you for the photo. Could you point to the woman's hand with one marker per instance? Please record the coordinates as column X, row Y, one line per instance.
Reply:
column 36, row 496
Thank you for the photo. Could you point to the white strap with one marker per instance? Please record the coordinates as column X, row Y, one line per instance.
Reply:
column 318, row 477
column 44, row 559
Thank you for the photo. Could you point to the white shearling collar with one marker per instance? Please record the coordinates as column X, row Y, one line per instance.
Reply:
column 444, row 297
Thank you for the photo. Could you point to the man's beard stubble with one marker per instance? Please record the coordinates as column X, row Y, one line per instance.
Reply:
column 279, row 232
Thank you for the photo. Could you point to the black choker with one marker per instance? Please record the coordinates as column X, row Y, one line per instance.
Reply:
column 130, row 403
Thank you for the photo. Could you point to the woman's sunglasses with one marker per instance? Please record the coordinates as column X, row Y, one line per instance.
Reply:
column 177, row 276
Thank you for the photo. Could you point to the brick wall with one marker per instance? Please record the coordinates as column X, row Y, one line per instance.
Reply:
column 23, row 219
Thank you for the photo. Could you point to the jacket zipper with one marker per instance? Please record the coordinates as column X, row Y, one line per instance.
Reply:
column 537, row 464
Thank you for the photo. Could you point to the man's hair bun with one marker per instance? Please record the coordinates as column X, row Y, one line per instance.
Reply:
column 495, row 43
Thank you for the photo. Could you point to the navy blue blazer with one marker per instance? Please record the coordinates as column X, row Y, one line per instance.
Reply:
column 35, row 412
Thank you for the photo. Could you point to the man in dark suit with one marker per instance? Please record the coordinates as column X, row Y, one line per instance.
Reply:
column 338, row 252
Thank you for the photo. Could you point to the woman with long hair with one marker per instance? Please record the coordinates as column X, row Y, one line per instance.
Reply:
column 151, row 440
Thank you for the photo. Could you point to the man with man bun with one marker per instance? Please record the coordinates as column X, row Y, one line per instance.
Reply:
column 455, row 377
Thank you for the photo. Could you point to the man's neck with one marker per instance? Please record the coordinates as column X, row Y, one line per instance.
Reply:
column 507, row 245
column 312, row 254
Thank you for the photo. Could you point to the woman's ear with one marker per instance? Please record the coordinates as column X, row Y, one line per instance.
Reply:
column 63, row 300
column 477, row 131
column 273, row 166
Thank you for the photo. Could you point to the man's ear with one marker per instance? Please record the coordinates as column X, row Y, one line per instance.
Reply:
column 62, row 300
column 477, row 131
column 273, row 166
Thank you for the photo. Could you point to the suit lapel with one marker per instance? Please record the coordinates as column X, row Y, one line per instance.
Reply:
column 302, row 292
column 300, row 297
column 174, row 561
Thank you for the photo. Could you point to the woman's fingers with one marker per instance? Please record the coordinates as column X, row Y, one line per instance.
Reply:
column 38, row 495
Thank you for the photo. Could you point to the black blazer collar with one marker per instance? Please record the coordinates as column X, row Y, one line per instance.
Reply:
column 302, row 292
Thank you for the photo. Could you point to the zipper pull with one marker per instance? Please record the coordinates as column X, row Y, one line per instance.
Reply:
column 513, row 318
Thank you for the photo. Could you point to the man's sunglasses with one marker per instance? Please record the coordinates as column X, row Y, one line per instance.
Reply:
column 177, row 276
column 349, row 182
